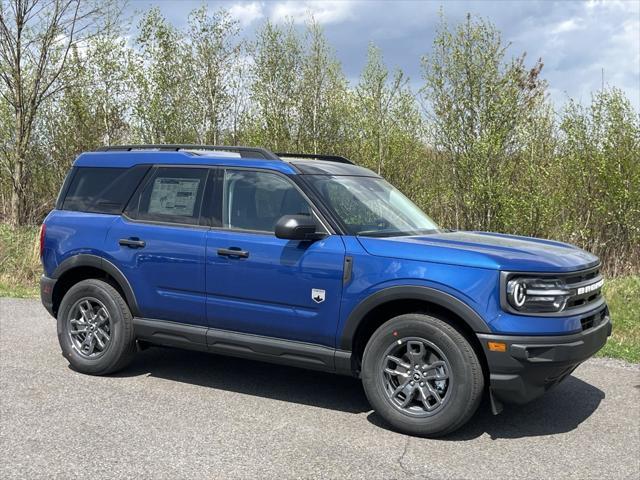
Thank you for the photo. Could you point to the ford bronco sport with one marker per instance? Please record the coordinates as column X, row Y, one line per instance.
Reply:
column 311, row 261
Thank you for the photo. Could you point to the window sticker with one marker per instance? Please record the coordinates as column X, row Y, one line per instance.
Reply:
column 174, row 196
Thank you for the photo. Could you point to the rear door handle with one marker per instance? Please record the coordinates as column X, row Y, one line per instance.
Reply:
column 132, row 242
column 233, row 252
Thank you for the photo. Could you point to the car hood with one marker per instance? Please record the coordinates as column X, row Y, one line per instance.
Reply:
column 484, row 250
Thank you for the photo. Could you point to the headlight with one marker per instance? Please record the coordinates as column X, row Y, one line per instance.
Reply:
column 537, row 295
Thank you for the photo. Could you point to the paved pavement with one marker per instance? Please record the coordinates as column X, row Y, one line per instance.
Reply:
column 175, row 415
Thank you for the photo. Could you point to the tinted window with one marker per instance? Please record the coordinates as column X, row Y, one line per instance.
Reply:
column 102, row 190
column 171, row 195
column 257, row 200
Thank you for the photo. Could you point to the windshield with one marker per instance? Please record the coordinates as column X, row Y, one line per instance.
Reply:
column 370, row 206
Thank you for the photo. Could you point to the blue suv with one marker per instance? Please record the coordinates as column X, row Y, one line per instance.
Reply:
column 311, row 261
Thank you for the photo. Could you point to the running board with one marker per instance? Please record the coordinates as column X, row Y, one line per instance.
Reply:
column 244, row 345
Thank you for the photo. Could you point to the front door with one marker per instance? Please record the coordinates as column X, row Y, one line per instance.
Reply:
column 263, row 285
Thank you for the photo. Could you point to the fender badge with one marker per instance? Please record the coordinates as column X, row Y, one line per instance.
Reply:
column 317, row 295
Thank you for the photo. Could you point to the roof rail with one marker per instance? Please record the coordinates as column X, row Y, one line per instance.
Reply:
column 313, row 156
column 245, row 152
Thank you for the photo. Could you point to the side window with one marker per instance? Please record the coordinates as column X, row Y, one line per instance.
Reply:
column 172, row 195
column 256, row 200
column 102, row 189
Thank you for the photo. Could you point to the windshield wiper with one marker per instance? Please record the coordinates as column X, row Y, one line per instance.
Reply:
column 378, row 233
column 396, row 233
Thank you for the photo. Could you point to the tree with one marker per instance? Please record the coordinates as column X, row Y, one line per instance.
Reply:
column 164, row 109
column 323, row 92
column 36, row 38
column 214, row 53
column 600, row 188
column 386, row 123
column 476, row 101
column 275, row 90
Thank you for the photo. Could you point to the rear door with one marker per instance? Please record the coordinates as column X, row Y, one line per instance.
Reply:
column 159, row 244
column 260, row 284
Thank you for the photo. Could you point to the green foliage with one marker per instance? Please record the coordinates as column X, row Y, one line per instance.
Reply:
column 601, row 146
column 275, row 91
column 623, row 298
column 479, row 147
column 480, row 107
column 161, row 112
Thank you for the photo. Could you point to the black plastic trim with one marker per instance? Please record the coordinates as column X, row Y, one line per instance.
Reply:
column 275, row 350
column 89, row 260
column 408, row 292
column 171, row 334
column 244, row 345
column 313, row 156
column 347, row 271
column 46, row 293
column 530, row 365
column 245, row 152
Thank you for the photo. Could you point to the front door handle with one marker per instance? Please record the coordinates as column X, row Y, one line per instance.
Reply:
column 132, row 242
column 233, row 252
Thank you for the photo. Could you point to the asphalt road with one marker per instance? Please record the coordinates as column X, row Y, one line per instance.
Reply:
column 175, row 415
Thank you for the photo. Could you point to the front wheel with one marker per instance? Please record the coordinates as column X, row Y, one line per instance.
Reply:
column 421, row 375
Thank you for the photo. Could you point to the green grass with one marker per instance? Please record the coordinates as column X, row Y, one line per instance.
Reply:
column 623, row 298
column 18, row 291
column 20, row 270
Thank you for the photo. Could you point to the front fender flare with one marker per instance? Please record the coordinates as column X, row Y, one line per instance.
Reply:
column 409, row 292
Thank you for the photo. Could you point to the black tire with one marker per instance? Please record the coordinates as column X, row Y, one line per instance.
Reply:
column 462, row 392
column 120, row 348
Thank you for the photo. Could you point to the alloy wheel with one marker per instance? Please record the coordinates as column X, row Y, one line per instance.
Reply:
column 416, row 377
column 89, row 327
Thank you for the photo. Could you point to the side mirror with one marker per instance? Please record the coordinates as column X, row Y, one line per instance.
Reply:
column 297, row 227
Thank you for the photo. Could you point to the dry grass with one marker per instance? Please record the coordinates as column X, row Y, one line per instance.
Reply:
column 20, row 266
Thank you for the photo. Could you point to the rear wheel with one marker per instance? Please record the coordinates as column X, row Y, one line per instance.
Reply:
column 421, row 375
column 95, row 328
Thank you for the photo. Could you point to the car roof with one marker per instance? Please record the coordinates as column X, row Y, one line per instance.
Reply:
column 126, row 159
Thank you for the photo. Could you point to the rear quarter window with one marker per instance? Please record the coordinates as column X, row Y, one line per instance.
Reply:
column 102, row 189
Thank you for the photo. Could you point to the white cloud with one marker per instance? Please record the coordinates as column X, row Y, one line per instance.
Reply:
column 326, row 11
column 567, row 26
column 246, row 13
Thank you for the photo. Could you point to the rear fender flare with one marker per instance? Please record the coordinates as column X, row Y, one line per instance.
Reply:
column 95, row 261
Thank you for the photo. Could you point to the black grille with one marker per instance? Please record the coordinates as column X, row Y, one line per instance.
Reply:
column 577, row 280
column 593, row 320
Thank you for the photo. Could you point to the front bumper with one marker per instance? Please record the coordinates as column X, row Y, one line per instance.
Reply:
column 46, row 293
column 531, row 365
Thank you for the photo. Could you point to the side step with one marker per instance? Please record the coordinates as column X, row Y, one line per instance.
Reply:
column 244, row 345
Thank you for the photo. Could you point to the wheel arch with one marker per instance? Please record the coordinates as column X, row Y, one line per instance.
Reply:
column 390, row 302
column 83, row 266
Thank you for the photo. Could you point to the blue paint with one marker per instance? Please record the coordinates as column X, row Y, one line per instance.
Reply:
column 179, row 275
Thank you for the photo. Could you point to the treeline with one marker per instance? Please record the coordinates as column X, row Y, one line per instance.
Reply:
column 479, row 146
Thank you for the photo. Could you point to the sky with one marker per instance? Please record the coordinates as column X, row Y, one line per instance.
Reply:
column 575, row 39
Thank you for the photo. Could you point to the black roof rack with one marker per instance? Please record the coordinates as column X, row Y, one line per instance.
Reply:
column 245, row 152
column 313, row 156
